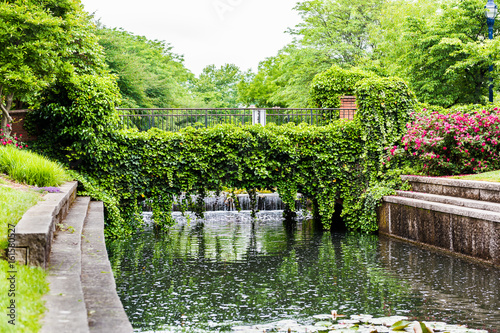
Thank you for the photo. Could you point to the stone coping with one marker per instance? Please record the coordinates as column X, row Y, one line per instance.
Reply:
column 475, row 204
column 445, row 208
column 34, row 232
column 476, row 184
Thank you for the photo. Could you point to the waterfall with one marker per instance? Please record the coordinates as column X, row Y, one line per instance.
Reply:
column 224, row 202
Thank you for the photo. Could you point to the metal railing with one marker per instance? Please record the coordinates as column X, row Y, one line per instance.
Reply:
column 176, row 119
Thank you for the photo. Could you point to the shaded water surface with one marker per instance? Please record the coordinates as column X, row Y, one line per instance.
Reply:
column 229, row 271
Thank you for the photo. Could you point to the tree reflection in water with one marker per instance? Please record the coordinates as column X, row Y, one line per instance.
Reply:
column 218, row 274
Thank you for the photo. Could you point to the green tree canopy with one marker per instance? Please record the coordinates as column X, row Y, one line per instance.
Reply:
column 440, row 48
column 217, row 87
column 34, row 40
column 149, row 73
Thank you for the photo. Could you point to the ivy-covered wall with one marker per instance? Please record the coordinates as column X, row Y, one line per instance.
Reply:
column 341, row 160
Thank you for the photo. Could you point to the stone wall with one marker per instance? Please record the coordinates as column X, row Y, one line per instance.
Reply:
column 447, row 214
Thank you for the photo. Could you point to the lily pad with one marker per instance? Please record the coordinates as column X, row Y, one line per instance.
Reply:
column 400, row 325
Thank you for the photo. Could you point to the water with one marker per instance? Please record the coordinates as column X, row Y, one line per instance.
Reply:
column 229, row 271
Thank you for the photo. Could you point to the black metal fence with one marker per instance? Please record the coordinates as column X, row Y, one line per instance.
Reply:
column 176, row 119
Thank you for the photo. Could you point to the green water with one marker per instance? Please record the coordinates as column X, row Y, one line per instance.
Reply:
column 228, row 272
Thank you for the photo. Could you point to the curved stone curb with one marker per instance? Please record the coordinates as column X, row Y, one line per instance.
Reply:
column 34, row 232
column 65, row 304
column 104, row 308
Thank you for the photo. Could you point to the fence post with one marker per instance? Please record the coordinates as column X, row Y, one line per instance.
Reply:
column 255, row 115
column 206, row 118
column 263, row 117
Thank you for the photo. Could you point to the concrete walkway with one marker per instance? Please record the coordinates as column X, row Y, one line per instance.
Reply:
column 82, row 295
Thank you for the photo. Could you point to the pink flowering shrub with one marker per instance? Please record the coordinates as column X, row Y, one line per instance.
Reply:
column 11, row 140
column 455, row 143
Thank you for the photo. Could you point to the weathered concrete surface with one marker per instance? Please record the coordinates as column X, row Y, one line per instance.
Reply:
column 34, row 232
column 467, row 189
column 474, row 204
column 104, row 308
column 65, row 304
column 470, row 232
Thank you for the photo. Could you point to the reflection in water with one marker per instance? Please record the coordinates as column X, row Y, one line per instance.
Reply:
column 230, row 271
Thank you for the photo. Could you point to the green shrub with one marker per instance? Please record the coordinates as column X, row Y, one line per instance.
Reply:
column 30, row 168
column 74, row 116
column 385, row 106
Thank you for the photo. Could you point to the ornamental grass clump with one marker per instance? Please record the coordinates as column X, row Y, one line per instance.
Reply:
column 456, row 143
column 26, row 167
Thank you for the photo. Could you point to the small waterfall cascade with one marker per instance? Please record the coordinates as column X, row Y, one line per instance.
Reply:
column 226, row 202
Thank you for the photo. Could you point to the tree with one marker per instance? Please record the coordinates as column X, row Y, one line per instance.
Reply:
column 341, row 28
column 443, row 52
column 284, row 80
column 217, row 87
column 149, row 74
column 32, row 34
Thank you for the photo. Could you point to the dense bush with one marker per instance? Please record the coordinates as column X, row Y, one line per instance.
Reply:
column 454, row 143
column 76, row 113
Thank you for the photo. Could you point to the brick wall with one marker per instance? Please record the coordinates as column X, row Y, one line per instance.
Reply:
column 348, row 107
column 18, row 125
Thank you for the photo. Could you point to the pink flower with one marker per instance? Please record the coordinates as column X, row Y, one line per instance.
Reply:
column 444, row 148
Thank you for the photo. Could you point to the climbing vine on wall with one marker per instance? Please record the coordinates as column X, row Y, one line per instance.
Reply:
column 340, row 161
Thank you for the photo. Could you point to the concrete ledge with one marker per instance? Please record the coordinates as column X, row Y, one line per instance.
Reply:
column 65, row 304
column 445, row 208
column 34, row 233
column 468, row 189
column 474, row 204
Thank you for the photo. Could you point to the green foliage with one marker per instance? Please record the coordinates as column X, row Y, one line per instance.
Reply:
column 149, row 74
column 384, row 106
column 161, row 166
column 329, row 86
column 84, row 111
column 339, row 28
column 442, row 50
column 217, row 87
column 31, row 285
column 27, row 167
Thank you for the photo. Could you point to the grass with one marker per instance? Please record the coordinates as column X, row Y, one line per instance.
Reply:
column 13, row 204
column 492, row 176
column 31, row 284
column 27, row 167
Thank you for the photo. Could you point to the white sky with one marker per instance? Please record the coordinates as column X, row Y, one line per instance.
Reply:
column 242, row 32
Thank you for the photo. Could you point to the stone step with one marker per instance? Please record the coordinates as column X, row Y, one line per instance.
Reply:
column 445, row 208
column 467, row 203
column 467, row 189
column 65, row 304
column 104, row 308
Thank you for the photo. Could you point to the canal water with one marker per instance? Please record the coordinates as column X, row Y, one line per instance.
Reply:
column 228, row 271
